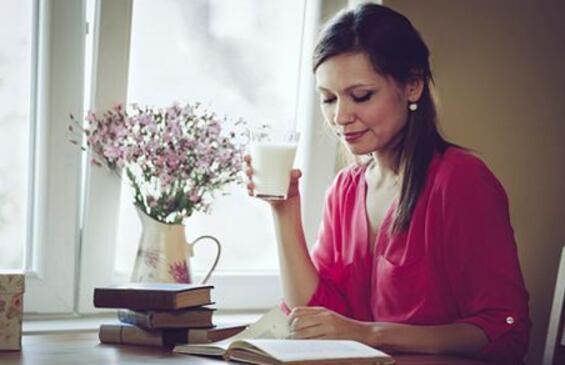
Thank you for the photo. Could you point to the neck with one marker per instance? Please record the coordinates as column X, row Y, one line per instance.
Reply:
column 385, row 167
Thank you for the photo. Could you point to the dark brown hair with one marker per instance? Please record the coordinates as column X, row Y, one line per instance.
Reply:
column 395, row 49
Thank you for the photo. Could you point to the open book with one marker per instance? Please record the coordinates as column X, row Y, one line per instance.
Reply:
column 265, row 342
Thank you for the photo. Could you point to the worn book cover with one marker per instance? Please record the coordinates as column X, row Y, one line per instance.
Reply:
column 198, row 317
column 152, row 296
column 121, row 333
column 131, row 335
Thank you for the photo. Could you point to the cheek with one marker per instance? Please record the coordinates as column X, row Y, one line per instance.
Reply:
column 389, row 115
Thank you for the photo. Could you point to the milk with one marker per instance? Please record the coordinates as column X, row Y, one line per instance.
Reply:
column 272, row 163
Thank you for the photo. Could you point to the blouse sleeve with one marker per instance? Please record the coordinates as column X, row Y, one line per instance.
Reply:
column 325, row 255
column 482, row 261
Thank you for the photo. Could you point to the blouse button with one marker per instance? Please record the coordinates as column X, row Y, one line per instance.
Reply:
column 510, row 320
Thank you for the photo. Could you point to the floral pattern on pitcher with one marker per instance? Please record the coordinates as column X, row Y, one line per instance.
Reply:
column 179, row 272
column 150, row 257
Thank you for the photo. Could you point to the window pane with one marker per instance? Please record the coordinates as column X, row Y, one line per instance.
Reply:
column 241, row 59
column 15, row 75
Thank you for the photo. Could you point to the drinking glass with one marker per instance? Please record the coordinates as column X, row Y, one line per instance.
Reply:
column 272, row 156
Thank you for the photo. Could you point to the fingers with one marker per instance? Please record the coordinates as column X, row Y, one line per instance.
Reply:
column 315, row 332
column 301, row 325
column 302, row 313
column 247, row 159
column 305, row 323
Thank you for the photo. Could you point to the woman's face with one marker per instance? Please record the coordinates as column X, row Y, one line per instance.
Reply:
column 367, row 110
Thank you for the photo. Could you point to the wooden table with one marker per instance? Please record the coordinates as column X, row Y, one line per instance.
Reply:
column 84, row 349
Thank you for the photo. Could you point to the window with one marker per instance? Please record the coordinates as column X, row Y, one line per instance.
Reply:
column 15, row 92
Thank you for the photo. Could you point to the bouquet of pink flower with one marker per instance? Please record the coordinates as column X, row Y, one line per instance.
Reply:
column 175, row 158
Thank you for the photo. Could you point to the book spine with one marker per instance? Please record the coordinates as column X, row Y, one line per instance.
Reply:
column 139, row 319
column 130, row 335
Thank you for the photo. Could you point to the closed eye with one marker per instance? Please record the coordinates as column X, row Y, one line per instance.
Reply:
column 327, row 100
column 362, row 98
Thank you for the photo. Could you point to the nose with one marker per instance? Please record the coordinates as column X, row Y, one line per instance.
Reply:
column 344, row 113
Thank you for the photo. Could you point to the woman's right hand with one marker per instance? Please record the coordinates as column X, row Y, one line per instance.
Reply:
column 293, row 191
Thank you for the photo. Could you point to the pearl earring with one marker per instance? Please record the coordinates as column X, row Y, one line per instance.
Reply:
column 413, row 107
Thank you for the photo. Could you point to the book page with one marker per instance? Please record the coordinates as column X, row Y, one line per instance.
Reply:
column 272, row 324
column 303, row 350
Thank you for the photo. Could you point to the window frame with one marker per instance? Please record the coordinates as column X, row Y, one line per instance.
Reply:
column 54, row 163
column 111, row 34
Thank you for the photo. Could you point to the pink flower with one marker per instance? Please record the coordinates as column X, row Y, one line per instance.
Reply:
column 17, row 302
column 195, row 197
column 112, row 152
column 172, row 160
column 167, row 153
column 179, row 272
column 91, row 117
column 151, row 201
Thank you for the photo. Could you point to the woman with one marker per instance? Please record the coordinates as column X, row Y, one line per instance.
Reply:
column 415, row 252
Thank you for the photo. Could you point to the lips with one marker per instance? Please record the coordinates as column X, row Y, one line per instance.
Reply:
column 352, row 136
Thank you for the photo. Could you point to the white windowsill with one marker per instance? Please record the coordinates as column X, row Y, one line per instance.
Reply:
column 33, row 325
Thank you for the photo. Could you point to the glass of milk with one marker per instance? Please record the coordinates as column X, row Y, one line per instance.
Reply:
column 272, row 156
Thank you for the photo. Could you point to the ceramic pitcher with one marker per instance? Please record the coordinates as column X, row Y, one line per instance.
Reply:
column 163, row 254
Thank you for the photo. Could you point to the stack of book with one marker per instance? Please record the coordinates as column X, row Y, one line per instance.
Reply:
column 154, row 314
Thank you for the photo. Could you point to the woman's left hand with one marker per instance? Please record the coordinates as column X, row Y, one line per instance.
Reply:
column 322, row 323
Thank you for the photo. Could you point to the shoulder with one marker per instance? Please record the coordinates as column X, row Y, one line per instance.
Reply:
column 345, row 184
column 462, row 173
column 457, row 165
column 349, row 177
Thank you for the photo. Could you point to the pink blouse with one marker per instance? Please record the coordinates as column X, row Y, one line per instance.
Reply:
column 456, row 263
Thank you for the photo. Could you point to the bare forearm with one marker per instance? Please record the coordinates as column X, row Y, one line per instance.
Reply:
column 299, row 276
column 456, row 338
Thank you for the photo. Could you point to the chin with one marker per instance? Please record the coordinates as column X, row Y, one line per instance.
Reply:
column 362, row 149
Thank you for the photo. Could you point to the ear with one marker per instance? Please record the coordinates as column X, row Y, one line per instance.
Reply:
column 413, row 89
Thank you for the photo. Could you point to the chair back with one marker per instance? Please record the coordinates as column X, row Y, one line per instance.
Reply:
column 554, row 352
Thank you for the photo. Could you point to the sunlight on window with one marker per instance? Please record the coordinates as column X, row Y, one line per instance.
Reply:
column 239, row 58
column 15, row 74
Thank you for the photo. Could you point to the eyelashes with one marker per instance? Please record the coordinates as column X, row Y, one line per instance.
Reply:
column 363, row 98
column 356, row 98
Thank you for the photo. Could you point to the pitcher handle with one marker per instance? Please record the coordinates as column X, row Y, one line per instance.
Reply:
column 218, row 252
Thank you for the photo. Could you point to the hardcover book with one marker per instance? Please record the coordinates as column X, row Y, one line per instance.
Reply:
column 132, row 335
column 152, row 296
column 199, row 317
column 265, row 342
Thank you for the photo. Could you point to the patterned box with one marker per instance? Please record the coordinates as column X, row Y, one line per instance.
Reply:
column 11, row 304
